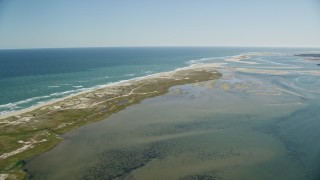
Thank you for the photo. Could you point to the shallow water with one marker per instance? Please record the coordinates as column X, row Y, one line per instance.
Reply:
column 247, row 125
column 32, row 76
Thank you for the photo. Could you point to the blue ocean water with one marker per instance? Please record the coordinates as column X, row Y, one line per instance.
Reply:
column 32, row 76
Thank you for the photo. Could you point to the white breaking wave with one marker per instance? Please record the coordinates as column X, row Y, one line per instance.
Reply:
column 15, row 104
column 202, row 60
column 129, row 74
column 148, row 72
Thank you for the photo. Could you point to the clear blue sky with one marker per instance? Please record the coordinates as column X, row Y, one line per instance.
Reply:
column 87, row 23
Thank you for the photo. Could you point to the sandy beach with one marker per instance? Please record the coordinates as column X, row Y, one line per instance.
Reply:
column 105, row 87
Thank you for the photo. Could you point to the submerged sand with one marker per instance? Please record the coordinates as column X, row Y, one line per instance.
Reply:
column 34, row 130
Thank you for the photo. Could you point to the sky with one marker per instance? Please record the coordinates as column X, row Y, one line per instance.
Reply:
column 105, row 23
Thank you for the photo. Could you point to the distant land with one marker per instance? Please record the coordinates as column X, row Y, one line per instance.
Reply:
column 314, row 57
column 309, row 55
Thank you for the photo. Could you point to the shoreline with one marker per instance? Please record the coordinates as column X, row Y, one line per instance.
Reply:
column 50, row 102
column 240, row 58
column 32, row 131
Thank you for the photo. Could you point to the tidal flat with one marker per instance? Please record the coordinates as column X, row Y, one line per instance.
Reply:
column 237, row 127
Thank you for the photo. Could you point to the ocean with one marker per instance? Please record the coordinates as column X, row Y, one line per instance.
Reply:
column 33, row 76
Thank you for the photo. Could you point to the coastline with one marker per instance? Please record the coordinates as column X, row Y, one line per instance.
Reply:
column 50, row 102
column 240, row 58
column 35, row 130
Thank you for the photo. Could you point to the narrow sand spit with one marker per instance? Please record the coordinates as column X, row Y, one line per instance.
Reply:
column 110, row 87
column 262, row 71
column 243, row 57
column 240, row 58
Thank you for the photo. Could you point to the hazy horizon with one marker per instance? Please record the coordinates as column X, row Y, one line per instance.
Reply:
column 178, row 46
column 77, row 24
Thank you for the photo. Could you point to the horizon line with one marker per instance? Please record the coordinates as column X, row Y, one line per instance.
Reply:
column 160, row 46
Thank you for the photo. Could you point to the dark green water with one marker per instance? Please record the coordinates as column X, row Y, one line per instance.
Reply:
column 262, row 125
